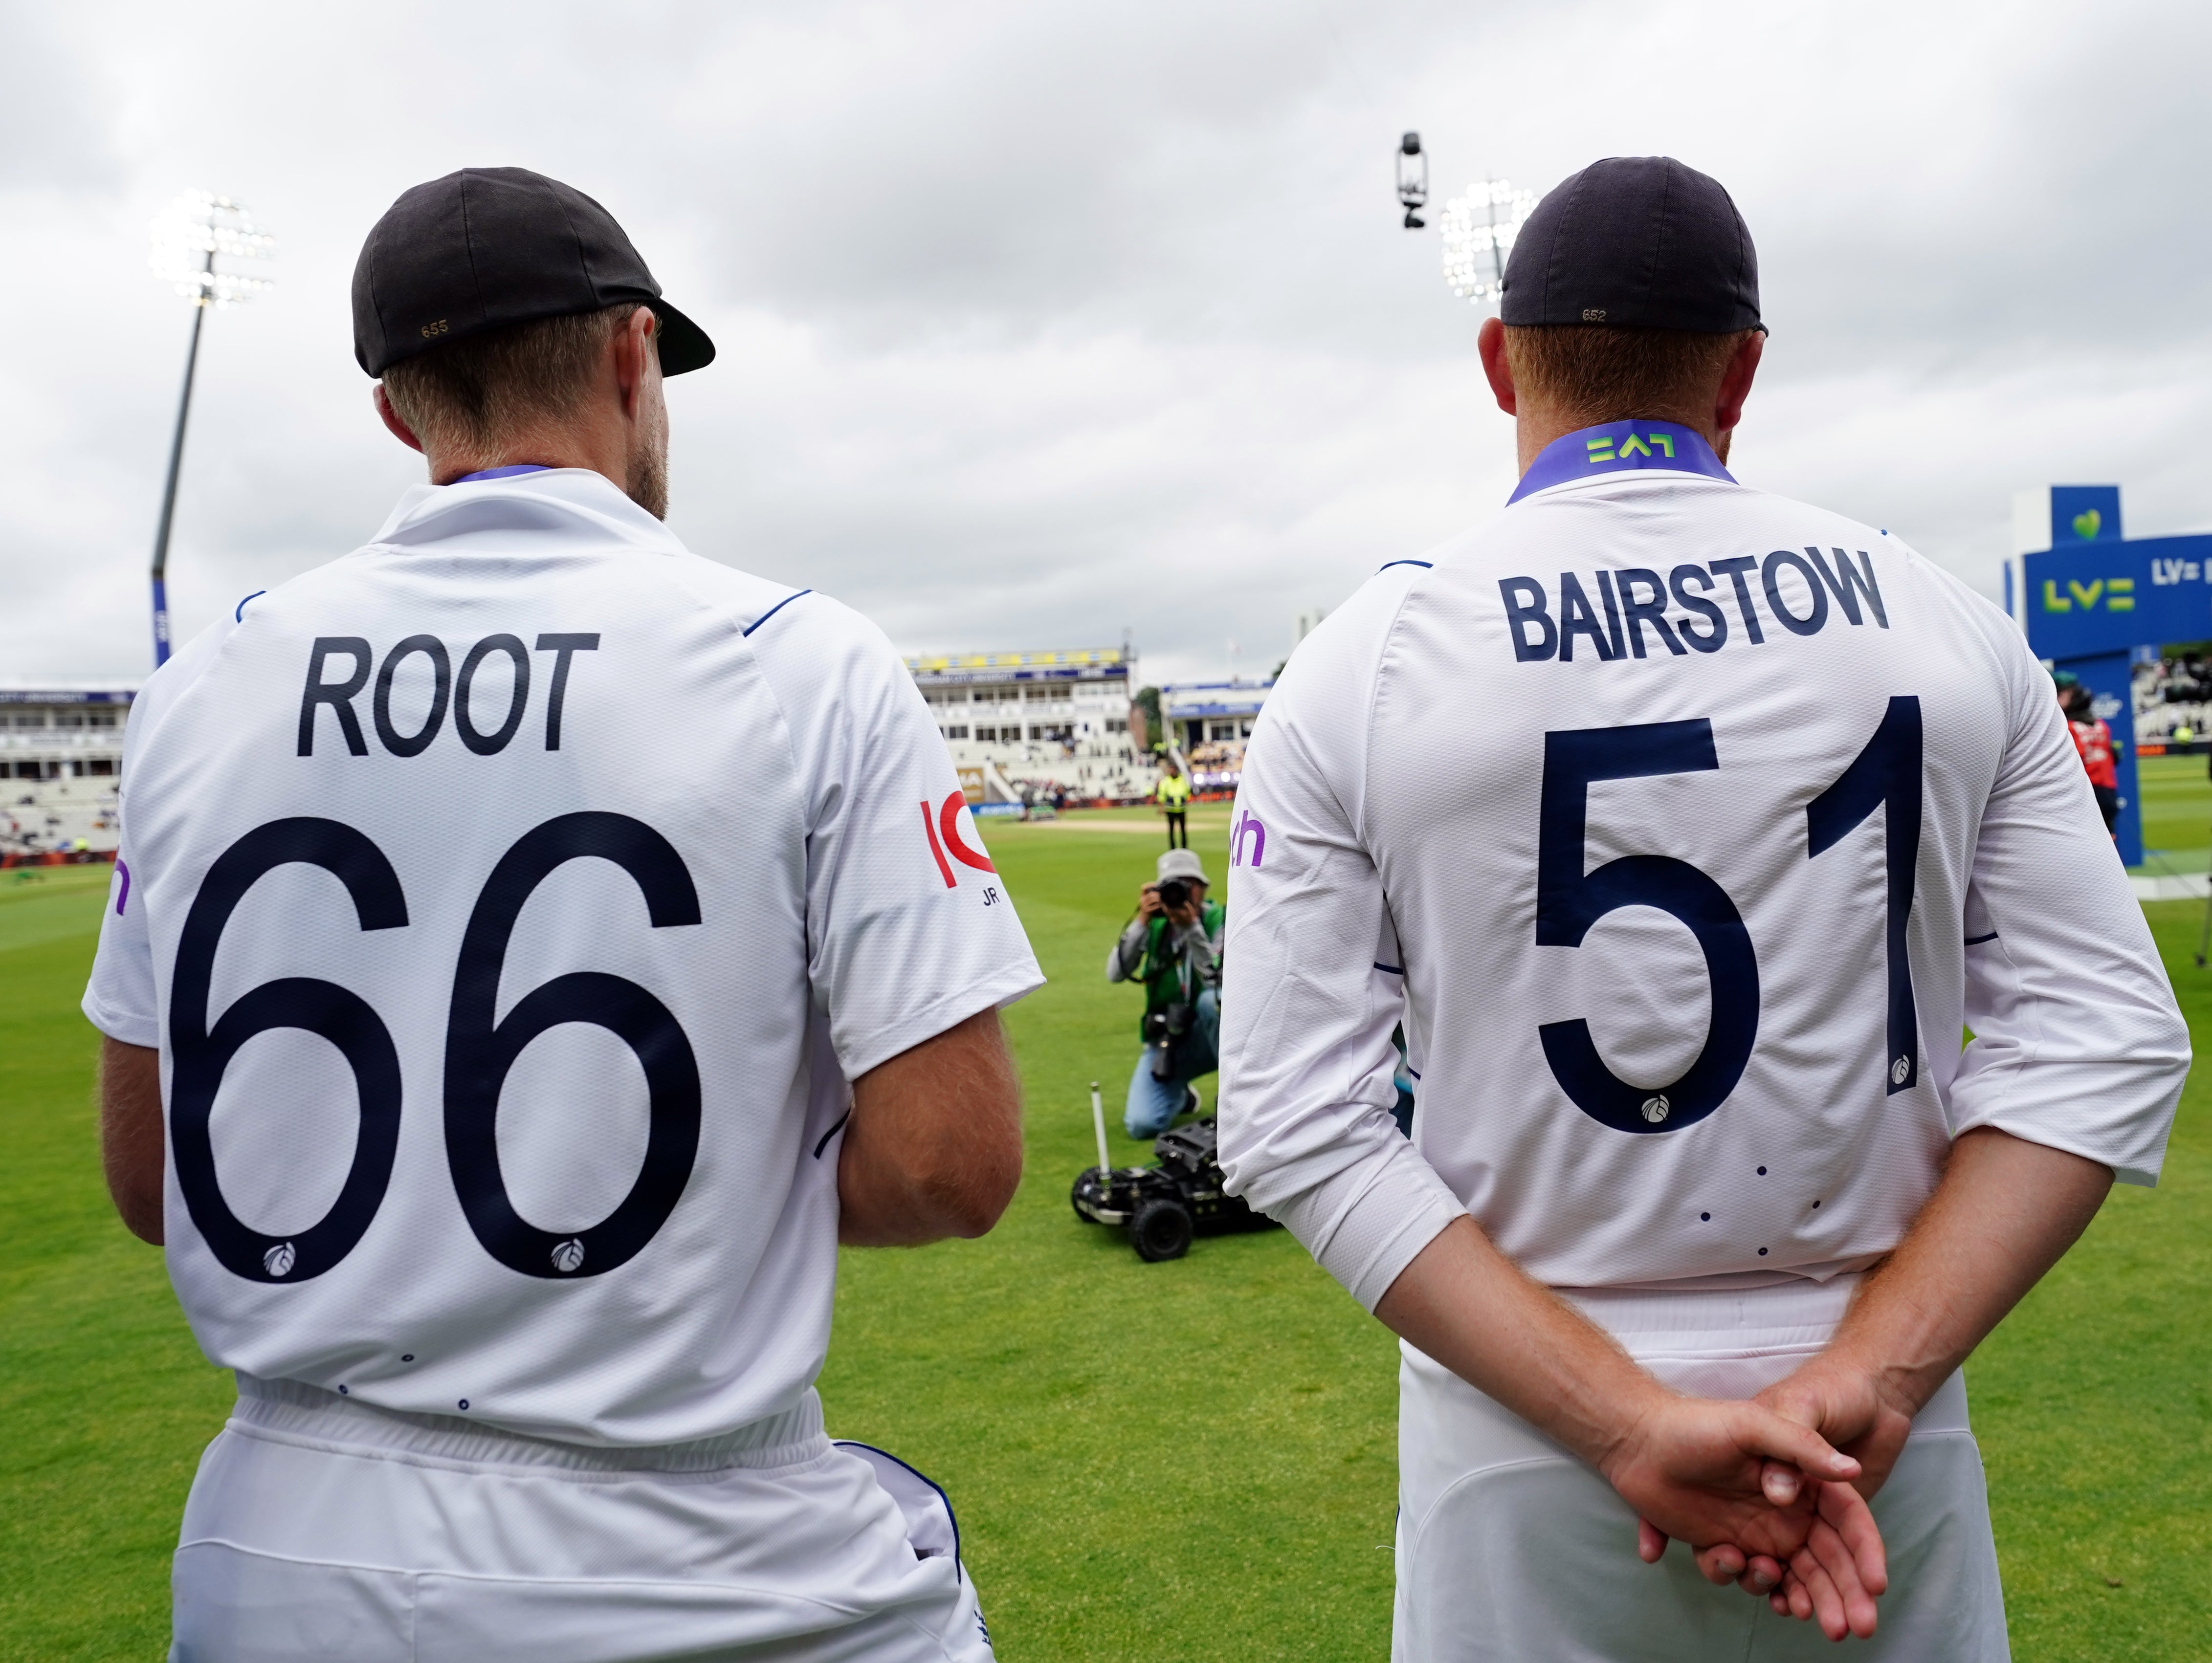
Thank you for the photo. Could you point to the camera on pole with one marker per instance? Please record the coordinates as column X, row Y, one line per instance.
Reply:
column 1412, row 179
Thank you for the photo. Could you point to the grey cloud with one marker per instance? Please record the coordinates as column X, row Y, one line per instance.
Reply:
column 52, row 134
column 1041, row 321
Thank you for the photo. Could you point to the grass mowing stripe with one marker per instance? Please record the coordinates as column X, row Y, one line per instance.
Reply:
column 50, row 903
column 2177, row 804
column 1189, row 1460
column 106, row 1400
column 2094, row 1403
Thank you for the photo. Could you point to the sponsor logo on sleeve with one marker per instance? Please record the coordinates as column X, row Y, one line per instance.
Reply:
column 1247, row 832
column 941, row 826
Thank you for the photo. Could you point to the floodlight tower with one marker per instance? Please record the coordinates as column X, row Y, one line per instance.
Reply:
column 1478, row 231
column 184, row 244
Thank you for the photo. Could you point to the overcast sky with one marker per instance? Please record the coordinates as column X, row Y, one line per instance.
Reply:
column 1039, row 323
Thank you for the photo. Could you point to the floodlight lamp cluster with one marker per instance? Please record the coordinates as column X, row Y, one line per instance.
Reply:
column 1478, row 229
column 196, row 231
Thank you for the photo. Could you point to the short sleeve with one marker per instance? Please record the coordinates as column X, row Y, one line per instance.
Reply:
column 119, row 1000
column 910, row 929
column 2078, row 1044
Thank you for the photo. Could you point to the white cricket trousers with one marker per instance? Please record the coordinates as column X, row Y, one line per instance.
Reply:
column 1510, row 1549
column 318, row 1528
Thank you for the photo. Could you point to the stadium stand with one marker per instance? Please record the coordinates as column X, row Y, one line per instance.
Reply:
column 1038, row 726
column 2173, row 699
column 61, row 752
column 1209, row 723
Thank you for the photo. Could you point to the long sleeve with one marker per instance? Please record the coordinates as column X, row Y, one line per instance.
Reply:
column 1126, row 953
column 2078, row 1043
column 1200, row 950
column 1307, row 1062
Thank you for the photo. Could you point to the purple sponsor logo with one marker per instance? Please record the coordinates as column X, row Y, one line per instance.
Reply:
column 122, row 886
column 1247, row 821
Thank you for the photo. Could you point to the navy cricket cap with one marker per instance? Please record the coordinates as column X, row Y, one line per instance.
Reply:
column 1637, row 241
column 488, row 246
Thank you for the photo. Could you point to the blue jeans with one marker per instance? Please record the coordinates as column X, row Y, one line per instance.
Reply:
column 1153, row 1103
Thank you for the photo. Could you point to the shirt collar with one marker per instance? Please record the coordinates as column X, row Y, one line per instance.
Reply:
column 567, row 504
column 507, row 472
column 1620, row 447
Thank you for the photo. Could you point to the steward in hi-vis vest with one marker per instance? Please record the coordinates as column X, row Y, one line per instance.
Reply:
column 1173, row 794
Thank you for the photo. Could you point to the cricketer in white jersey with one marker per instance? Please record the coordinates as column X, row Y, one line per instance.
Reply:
column 1684, row 828
column 511, row 903
column 1678, row 930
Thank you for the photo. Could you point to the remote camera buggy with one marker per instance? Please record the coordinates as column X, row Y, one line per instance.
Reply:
column 1165, row 1205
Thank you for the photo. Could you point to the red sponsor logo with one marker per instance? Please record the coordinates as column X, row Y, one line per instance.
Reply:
column 942, row 827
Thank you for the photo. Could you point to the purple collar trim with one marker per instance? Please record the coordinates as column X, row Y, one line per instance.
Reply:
column 507, row 472
column 1619, row 447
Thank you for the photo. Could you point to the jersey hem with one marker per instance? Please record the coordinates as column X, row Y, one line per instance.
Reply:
column 447, row 1573
column 292, row 1412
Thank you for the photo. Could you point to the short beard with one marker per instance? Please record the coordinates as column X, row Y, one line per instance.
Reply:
column 647, row 485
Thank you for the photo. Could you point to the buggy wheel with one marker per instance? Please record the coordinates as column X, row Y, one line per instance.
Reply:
column 1075, row 1195
column 1161, row 1230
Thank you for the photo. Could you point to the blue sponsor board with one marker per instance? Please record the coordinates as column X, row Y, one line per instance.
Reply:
column 2093, row 600
column 2094, row 591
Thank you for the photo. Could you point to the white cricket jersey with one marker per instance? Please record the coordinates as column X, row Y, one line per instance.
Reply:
column 511, row 900
column 1687, row 828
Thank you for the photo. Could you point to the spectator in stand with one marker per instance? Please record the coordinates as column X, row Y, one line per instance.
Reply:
column 2092, row 742
column 1173, row 795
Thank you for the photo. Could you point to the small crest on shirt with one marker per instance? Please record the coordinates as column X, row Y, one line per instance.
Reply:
column 569, row 1256
column 280, row 1259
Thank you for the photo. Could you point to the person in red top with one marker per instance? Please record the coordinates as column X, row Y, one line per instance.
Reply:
column 2092, row 741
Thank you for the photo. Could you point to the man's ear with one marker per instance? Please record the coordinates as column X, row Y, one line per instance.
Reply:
column 1735, row 381
column 637, row 355
column 1490, row 342
column 400, row 430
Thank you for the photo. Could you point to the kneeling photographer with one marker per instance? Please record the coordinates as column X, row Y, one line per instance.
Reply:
column 1173, row 946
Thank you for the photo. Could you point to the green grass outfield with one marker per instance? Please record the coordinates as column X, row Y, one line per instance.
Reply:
column 1184, row 1461
column 2177, row 812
